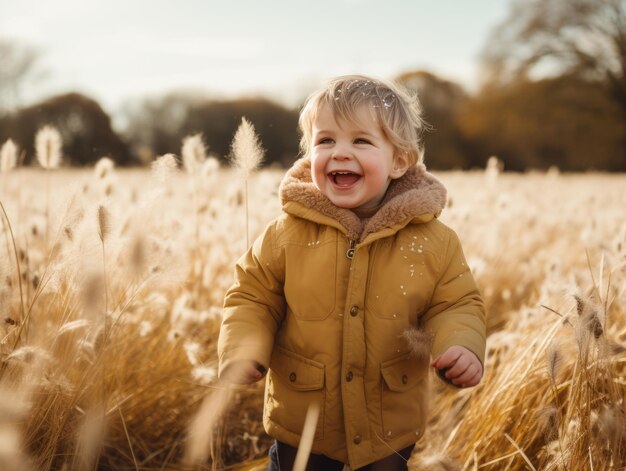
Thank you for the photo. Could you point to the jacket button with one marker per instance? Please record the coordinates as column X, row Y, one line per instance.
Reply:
column 349, row 376
column 405, row 379
column 357, row 439
column 292, row 377
column 354, row 310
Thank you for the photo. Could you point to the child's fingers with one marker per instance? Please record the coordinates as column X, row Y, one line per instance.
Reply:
column 253, row 374
column 473, row 381
column 459, row 367
column 244, row 372
column 449, row 357
column 465, row 376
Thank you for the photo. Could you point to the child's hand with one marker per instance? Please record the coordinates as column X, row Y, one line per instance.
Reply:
column 459, row 366
column 244, row 372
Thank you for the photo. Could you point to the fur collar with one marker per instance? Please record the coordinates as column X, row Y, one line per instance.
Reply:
column 416, row 193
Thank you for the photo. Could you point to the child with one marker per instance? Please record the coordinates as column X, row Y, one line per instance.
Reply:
column 325, row 296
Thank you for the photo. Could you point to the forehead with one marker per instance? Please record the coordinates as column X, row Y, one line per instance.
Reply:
column 361, row 117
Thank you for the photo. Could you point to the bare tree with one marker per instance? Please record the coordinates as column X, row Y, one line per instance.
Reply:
column 19, row 64
column 586, row 38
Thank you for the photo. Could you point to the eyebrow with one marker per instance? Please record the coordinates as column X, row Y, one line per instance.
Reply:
column 357, row 133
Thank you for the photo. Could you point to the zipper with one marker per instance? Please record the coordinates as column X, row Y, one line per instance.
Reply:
column 351, row 248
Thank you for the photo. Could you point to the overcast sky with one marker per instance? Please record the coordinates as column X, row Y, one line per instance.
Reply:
column 116, row 50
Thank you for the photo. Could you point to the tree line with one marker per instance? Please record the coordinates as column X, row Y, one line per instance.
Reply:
column 553, row 94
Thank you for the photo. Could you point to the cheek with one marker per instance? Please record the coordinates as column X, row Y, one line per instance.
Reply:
column 378, row 173
column 317, row 170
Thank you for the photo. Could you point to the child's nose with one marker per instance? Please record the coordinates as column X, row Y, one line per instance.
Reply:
column 342, row 153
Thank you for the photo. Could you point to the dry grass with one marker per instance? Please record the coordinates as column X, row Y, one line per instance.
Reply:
column 110, row 363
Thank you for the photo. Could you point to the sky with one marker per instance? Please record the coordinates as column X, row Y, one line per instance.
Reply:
column 116, row 51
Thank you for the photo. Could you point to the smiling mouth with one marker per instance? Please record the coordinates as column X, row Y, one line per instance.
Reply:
column 344, row 179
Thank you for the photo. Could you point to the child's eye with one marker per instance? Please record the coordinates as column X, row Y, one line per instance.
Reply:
column 325, row 140
column 361, row 140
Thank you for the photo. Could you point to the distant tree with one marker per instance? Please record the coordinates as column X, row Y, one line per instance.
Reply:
column 441, row 101
column 564, row 121
column 275, row 125
column 19, row 64
column 83, row 124
column 579, row 45
column 584, row 38
column 153, row 125
column 162, row 124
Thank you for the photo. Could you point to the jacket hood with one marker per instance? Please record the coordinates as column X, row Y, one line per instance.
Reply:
column 417, row 194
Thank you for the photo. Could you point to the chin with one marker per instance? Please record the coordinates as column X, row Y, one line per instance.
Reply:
column 343, row 204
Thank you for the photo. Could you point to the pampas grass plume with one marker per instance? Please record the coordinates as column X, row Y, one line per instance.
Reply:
column 613, row 425
column 492, row 171
column 210, row 167
column 13, row 412
column 307, row 437
column 8, row 156
column 89, row 439
column 103, row 167
column 200, row 432
column 163, row 167
column 194, row 153
column 437, row 462
column 247, row 153
column 48, row 146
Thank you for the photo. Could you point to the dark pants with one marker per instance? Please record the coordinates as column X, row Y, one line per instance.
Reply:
column 283, row 456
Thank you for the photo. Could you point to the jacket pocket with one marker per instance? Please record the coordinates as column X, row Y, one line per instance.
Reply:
column 294, row 383
column 311, row 279
column 403, row 396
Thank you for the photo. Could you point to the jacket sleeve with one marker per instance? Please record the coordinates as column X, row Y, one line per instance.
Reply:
column 456, row 313
column 254, row 305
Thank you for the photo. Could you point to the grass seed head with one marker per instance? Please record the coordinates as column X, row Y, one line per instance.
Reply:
column 246, row 153
column 69, row 233
column 8, row 156
column 138, row 255
column 595, row 326
column 437, row 462
column 194, row 152
column 92, row 291
column 163, row 167
column 580, row 305
column 90, row 437
column 103, row 168
column 554, row 361
column 210, row 167
column 547, row 420
column 613, row 425
column 420, row 343
column 104, row 223
column 48, row 145
column 201, row 429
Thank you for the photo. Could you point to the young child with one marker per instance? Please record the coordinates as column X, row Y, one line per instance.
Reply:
column 325, row 296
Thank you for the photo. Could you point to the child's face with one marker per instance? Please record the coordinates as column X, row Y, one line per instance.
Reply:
column 352, row 163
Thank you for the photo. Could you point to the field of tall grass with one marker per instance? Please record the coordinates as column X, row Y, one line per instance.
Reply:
column 111, row 287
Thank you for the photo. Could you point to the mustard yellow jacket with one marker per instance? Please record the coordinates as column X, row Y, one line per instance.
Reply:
column 323, row 300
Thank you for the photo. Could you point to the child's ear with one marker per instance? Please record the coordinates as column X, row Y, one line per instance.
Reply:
column 400, row 164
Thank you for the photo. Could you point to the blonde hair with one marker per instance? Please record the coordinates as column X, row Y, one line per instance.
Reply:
column 398, row 113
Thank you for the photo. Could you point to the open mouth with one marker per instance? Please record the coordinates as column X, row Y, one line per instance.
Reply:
column 344, row 179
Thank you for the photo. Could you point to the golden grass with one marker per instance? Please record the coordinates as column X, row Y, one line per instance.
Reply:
column 110, row 364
